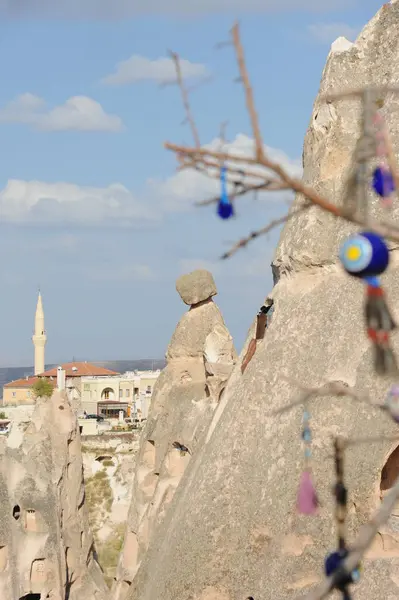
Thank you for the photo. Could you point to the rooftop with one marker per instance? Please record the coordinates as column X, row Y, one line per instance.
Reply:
column 26, row 382
column 79, row 369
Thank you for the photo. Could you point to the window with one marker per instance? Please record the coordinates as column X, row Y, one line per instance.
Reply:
column 28, row 394
column 120, row 393
column 127, row 393
column 14, row 394
column 106, row 394
column 148, row 389
column 86, row 387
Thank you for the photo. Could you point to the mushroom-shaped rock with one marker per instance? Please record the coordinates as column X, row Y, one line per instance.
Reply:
column 200, row 358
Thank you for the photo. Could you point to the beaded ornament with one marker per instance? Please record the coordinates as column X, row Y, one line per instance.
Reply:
column 334, row 560
column 225, row 208
column 365, row 255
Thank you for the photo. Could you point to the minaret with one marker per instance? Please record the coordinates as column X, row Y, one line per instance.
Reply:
column 39, row 338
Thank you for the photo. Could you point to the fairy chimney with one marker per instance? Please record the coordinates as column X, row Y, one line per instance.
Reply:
column 232, row 530
column 46, row 547
column 199, row 358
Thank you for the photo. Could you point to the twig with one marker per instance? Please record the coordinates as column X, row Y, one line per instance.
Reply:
column 255, row 234
column 184, row 94
column 242, row 191
column 205, row 164
column 334, row 388
column 331, row 388
column 248, row 92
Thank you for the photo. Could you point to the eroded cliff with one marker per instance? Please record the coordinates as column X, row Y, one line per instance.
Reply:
column 232, row 529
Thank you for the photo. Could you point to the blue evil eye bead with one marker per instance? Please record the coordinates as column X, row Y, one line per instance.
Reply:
column 225, row 210
column 383, row 182
column 392, row 402
column 334, row 561
column 364, row 255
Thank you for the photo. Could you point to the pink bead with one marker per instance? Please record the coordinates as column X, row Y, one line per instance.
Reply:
column 307, row 502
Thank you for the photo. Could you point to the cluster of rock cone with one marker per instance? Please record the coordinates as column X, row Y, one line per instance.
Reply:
column 213, row 509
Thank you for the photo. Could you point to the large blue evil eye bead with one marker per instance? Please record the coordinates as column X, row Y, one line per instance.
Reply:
column 364, row 254
column 383, row 182
column 225, row 210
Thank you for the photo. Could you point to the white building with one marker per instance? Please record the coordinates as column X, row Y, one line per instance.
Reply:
column 107, row 395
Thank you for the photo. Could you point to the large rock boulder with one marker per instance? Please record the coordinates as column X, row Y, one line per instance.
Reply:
column 199, row 358
column 232, row 530
column 46, row 546
column 196, row 287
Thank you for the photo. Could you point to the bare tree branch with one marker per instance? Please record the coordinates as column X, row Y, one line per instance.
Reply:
column 184, row 94
column 248, row 92
column 206, row 160
column 255, row 234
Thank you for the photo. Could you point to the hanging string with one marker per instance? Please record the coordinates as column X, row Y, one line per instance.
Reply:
column 307, row 501
column 225, row 208
column 334, row 560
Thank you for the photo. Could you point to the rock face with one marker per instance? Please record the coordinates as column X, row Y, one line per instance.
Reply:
column 46, row 548
column 232, row 530
column 199, row 359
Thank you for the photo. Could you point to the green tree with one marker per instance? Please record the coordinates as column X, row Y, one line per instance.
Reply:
column 42, row 388
column 3, row 415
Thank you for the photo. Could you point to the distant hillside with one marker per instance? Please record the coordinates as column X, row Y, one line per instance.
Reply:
column 8, row 374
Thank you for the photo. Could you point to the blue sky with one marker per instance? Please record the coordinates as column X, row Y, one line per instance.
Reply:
column 91, row 207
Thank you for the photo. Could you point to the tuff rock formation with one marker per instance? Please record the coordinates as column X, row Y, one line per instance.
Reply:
column 199, row 358
column 46, row 547
column 232, row 530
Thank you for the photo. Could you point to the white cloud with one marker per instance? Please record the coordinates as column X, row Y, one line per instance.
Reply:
column 326, row 33
column 181, row 190
column 118, row 9
column 162, row 70
column 41, row 203
column 79, row 113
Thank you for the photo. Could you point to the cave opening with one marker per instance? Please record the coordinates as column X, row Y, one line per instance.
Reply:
column 390, row 471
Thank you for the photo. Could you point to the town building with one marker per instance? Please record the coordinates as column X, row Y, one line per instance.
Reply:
column 107, row 395
column 20, row 391
column 91, row 389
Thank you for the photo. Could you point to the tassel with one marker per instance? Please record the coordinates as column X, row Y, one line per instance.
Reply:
column 379, row 324
column 225, row 208
column 307, row 501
